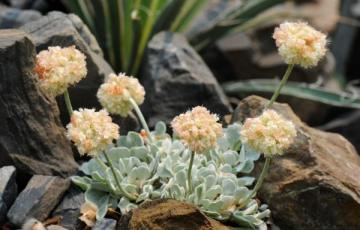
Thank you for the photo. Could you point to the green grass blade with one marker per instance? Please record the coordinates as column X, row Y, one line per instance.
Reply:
column 136, row 25
column 299, row 90
column 108, row 34
column 183, row 11
column 115, row 33
column 168, row 15
column 124, row 9
column 245, row 13
column 189, row 14
column 145, row 34
column 80, row 8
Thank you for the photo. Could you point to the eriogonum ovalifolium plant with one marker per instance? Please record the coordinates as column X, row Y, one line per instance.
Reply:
column 159, row 170
column 202, row 163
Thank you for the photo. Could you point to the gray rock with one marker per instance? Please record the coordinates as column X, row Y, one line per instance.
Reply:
column 12, row 18
column 20, row 3
column 59, row 29
column 8, row 190
column 38, row 199
column 31, row 135
column 105, row 224
column 69, row 209
column 29, row 4
column 176, row 79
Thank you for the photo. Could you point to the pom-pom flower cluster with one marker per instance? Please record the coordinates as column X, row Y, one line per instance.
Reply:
column 269, row 133
column 58, row 68
column 92, row 131
column 300, row 44
column 115, row 93
column 198, row 129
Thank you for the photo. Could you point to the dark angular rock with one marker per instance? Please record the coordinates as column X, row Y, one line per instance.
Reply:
column 105, row 224
column 8, row 190
column 69, row 209
column 59, row 29
column 31, row 134
column 315, row 185
column 38, row 199
column 167, row 214
column 176, row 79
column 12, row 18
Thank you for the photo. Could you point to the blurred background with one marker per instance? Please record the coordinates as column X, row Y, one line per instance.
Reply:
column 226, row 45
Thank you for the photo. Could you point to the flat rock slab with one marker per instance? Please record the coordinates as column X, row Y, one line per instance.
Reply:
column 38, row 199
column 31, row 135
column 167, row 215
column 8, row 190
column 315, row 185
column 177, row 79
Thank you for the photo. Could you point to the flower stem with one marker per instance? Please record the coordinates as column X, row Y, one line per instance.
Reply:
column 259, row 181
column 124, row 192
column 281, row 85
column 68, row 102
column 189, row 172
column 141, row 117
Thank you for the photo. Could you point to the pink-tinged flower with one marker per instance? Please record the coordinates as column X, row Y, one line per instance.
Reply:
column 300, row 43
column 58, row 68
column 88, row 214
column 92, row 131
column 198, row 129
column 115, row 93
column 269, row 133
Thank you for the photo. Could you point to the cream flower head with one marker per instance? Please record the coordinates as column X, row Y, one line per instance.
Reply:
column 58, row 68
column 300, row 43
column 92, row 131
column 115, row 92
column 269, row 133
column 198, row 129
column 88, row 211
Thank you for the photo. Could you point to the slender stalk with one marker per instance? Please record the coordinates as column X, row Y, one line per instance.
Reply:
column 124, row 192
column 281, row 85
column 259, row 182
column 141, row 117
column 68, row 102
column 189, row 172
